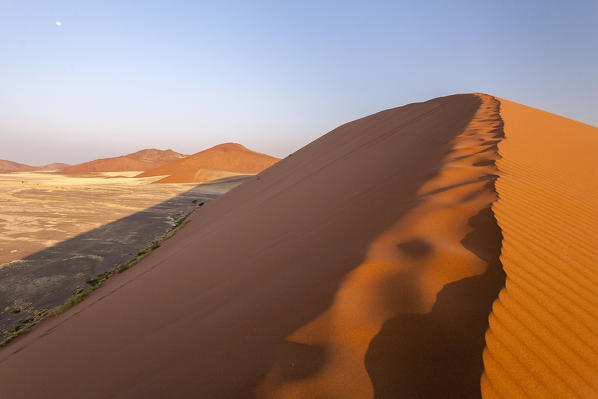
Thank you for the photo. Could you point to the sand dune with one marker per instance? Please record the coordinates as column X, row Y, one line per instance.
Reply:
column 367, row 264
column 219, row 161
column 543, row 335
column 447, row 236
column 140, row 160
column 249, row 299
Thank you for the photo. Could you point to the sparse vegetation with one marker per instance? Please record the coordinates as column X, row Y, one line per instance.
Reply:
column 80, row 293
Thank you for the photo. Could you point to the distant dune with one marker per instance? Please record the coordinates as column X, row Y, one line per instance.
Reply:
column 138, row 161
column 219, row 161
column 58, row 166
column 9, row 166
column 368, row 264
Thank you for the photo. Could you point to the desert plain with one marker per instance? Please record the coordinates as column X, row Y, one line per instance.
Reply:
column 57, row 231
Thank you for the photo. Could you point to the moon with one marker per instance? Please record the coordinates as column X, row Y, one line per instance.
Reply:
column 58, row 23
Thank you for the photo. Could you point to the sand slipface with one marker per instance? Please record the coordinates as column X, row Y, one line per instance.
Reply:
column 543, row 335
column 248, row 299
column 223, row 160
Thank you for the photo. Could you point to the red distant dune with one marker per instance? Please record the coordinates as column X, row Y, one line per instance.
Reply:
column 9, row 166
column 140, row 160
column 219, row 161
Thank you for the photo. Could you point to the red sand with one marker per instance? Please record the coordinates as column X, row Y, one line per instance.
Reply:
column 219, row 161
column 140, row 160
column 214, row 312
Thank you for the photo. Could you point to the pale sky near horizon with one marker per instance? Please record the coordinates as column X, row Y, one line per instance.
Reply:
column 114, row 77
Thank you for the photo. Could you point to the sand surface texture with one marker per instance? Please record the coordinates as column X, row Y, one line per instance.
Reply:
column 368, row 253
column 223, row 160
column 543, row 336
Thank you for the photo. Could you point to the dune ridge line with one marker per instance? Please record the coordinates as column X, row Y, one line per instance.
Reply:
column 412, row 308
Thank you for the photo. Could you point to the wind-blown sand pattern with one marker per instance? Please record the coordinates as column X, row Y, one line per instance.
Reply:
column 543, row 336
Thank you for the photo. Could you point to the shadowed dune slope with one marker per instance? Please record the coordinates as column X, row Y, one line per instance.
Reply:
column 292, row 284
column 219, row 161
column 543, row 335
column 140, row 160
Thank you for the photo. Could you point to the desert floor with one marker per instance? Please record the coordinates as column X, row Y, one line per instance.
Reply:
column 59, row 231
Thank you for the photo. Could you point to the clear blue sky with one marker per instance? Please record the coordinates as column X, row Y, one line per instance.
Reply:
column 119, row 76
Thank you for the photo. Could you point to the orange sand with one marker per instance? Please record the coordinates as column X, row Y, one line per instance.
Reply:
column 364, row 265
column 404, row 269
column 219, row 161
column 543, row 336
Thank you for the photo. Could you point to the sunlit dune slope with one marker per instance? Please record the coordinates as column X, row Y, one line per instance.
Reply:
column 219, row 161
column 140, row 160
column 543, row 336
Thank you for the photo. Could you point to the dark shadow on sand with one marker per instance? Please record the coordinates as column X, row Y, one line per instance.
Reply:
column 439, row 354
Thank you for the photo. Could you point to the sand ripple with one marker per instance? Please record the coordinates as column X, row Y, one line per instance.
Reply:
column 543, row 330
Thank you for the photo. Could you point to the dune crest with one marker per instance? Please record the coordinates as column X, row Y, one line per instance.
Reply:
column 403, row 272
column 543, row 330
